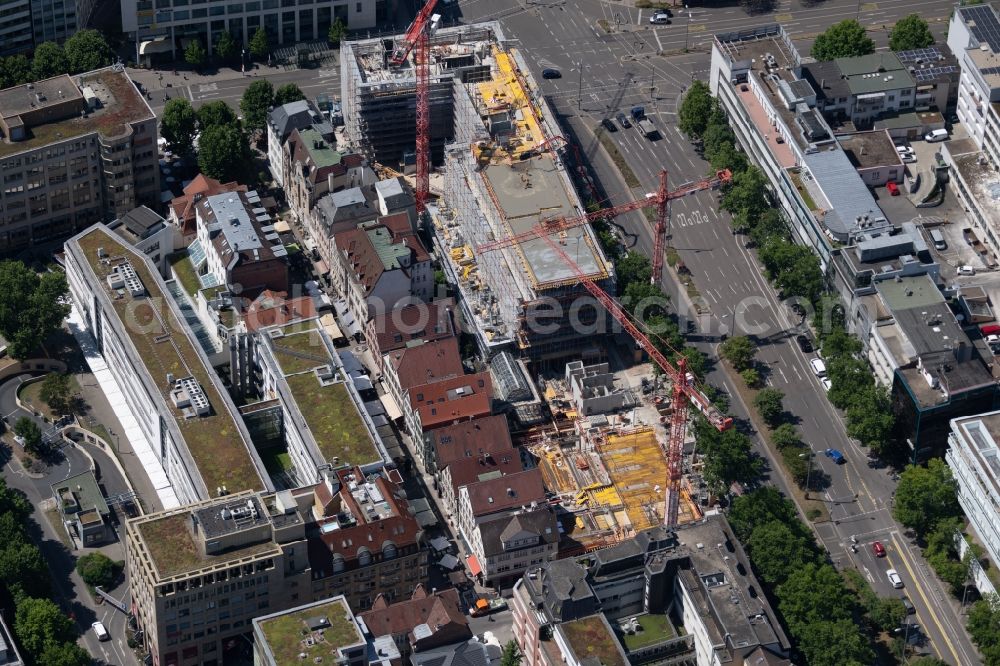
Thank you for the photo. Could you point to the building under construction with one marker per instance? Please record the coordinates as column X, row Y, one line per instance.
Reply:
column 503, row 174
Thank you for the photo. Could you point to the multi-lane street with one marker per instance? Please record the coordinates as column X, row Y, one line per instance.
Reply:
column 603, row 73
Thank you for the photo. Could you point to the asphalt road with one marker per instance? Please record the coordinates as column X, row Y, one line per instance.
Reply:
column 605, row 73
column 70, row 590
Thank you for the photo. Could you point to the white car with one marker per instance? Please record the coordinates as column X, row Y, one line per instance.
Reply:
column 966, row 270
column 827, row 384
column 894, row 578
column 100, row 631
column 908, row 158
column 818, row 367
column 904, row 150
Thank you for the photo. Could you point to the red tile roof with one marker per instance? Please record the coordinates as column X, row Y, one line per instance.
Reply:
column 421, row 321
column 271, row 308
column 363, row 257
column 449, row 400
column 469, row 470
column 427, row 363
column 441, row 612
column 469, row 439
column 506, row 492
column 184, row 205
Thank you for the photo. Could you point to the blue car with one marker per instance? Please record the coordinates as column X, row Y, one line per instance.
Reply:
column 836, row 456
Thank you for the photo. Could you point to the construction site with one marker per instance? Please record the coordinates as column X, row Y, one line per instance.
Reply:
column 503, row 174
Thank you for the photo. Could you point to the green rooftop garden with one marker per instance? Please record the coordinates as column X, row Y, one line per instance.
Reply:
column 172, row 547
column 298, row 327
column 333, row 419
column 796, row 177
column 655, row 628
column 309, row 343
column 184, row 271
column 214, row 441
column 286, row 635
column 589, row 637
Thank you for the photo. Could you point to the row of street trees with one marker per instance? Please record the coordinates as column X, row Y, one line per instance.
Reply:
column 228, row 48
column 45, row 633
column 85, row 51
column 849, row 38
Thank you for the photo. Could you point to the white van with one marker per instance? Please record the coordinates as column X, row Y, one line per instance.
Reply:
column 936, row 135
column 938, row 239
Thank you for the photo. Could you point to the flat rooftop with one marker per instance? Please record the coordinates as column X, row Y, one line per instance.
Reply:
column 877, row 72
column 215, row 441
column 982, row 182
column 866, row 150
column 526, row 193
column 593, row 641
column 983, row 430
column 119, row 104
column 315, row 630
column 329, row 411
column 171, row 544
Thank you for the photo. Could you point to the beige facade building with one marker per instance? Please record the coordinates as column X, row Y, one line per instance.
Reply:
column 200, row 574
column 74, row 150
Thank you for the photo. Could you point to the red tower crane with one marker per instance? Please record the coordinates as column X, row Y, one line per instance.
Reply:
column 661, row 199
column 684, row 388
column 418, row 37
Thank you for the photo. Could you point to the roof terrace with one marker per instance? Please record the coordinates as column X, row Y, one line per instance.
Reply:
column 593, row 642
column 215, row 441
column 317, row 631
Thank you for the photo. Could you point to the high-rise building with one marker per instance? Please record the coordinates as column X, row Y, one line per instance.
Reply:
column 15, row 26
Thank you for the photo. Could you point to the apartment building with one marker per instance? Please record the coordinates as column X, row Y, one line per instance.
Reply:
column 974, row 38
column 313, row 167
column 149, row 233
column 409, row 325
column 281, row 122
column 420, row 364
column 243, row 252
column 187, row 423
column 324, row 419
column 494, row 461
column 507, row 545
column 330, row 629
column 381, row 266
column 682, row 595
column 75, row 150
column 422, row 622
column 182, row 212
column 201, row 573
column 974, row 458
column 163, row 31
column 447, row 402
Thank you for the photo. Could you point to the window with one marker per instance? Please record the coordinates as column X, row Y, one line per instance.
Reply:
column 357, row 8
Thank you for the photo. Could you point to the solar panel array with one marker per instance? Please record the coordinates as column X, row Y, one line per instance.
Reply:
column 934, row 73
column 989, row 71
column 986, row 27
column 913, row 56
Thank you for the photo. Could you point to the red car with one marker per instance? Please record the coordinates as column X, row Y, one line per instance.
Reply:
column 893, row 188
column 878, row 548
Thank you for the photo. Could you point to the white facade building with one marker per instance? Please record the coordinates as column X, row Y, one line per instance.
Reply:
column 974, row 38
column 974, row 458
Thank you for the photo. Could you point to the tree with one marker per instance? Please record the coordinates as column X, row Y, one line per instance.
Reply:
column 257, row 98
column 776, row 551
column 178, row 125
column 14, row 503
column 836, row 643
column 786, row 436
column 848, row 376
column 769, row 405
column 98, row 570
column 56, row 392
column 40, row 623
column 31, row 307
column 928, row 661
column 288, row 93
column 633, row 267
column 728, row 458
column 215, row 113
column 14, row 71
column 984, row 622
column 728, row 156
column 751, row 377
column 910, row 32
column 260, row 44
column 813, row 593
column 745, row 198
column 692, row 116
column 716, row 137
column 23, row 570
column 870, row 419
column 769, row 226
column 65, row 654
column 30, row 434
column 739, row 351
column 758, row 507
column 842, row 40
column 337, row 32
column 511, row 655
column 695, row 360
column 840, row 343
column 223, row 152
column 49, row 60
column 87, row 50
column 226, row 47
column 925, row 496
column 194, row 54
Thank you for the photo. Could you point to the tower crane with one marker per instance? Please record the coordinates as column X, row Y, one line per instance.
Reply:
column 417, row 39
column 661, row 199
column 684, row 388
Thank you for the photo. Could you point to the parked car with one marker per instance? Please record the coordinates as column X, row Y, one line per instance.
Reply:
column 818, row 367
column 878, row 549
column 609, row 125
column 936, row 135
column 966, row 270
column 827, row 384
column 908, row 158
column 908, row 605
column 487, row 606
column 893, row 188
column 100, row 631
column 623, row 120
column 904, row 150
column 804, row 343
column 638, row 112
column 551, row 73
column 894, row 578
column 836, row 456
column 660, row 17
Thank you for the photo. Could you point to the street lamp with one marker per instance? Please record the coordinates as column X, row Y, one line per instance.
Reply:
column 687, row 24
column 579, row 84
column 809, row 457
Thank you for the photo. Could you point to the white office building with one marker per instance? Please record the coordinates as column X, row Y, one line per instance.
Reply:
column 974, row 38
column 974, row 458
